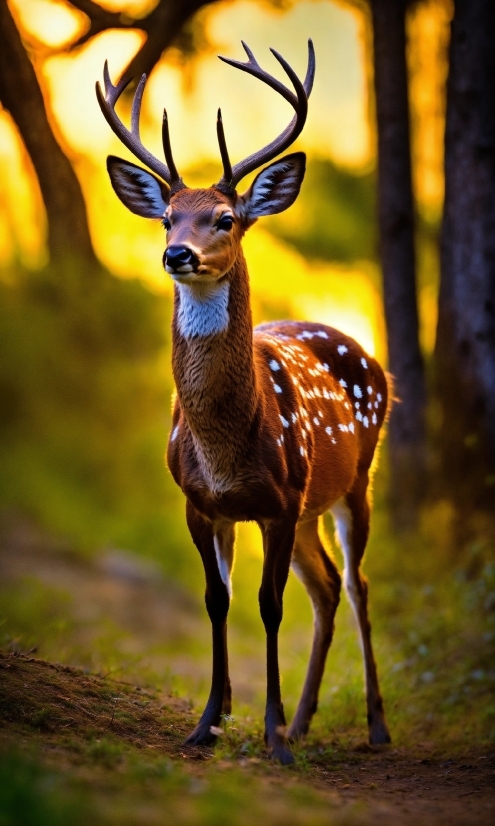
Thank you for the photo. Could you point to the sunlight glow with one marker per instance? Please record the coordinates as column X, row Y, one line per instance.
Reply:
column 71, row 80
column 428, row 36
column 342, row 297
column 52, row 23
column 22, row 214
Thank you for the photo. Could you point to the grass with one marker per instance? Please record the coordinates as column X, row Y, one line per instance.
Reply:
column 111, row 768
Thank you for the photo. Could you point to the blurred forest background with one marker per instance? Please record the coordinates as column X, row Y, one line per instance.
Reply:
column 97, row 566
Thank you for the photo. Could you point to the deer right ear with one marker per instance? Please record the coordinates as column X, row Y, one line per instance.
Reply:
column 139, row 190
column 276, row 187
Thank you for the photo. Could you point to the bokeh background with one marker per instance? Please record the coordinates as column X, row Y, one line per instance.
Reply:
column 97, row 568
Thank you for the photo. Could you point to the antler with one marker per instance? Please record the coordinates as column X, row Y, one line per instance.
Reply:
column 232, row 175
column 131, row 139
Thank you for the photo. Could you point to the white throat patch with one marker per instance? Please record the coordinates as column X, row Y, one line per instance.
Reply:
column 203, row 309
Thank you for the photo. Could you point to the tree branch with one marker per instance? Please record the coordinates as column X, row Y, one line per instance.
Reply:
column 100, row 20
column 161, row 25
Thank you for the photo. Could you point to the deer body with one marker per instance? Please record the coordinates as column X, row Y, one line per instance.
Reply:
column 274, row 425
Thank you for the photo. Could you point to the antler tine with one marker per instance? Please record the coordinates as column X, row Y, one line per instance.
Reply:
column 298, row 101
column 252, row 67
column 131, row 139
column 310, row 72
column 227, row 167
column 112, row 93
column 176, row 181
column 136, row 107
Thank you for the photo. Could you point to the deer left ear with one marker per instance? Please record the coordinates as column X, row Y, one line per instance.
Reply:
column 276, row 187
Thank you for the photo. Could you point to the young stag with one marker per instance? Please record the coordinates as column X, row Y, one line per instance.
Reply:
column 274, row 425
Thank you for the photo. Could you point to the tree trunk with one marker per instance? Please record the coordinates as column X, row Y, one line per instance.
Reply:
column 465, row 348
column 20, row 94
column 396, row 227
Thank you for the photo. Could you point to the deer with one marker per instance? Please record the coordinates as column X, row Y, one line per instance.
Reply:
column 276, row 424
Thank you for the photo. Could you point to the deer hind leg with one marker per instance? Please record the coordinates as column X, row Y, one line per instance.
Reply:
column 321, row 578
column 352, row 515
column 216, row 546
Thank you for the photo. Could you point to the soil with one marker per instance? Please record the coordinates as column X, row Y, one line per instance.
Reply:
column 53, row 707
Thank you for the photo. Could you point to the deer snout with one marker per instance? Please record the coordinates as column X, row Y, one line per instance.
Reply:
column 180, row 259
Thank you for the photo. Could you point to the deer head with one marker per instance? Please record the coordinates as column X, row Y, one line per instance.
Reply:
column 205, row 226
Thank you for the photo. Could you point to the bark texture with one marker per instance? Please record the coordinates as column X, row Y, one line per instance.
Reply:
column 21, row 95
column 465, row 350
column 396, row 229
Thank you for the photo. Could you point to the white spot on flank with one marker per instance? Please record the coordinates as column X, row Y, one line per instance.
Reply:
column 356, row 405
column 203, row 309
column 302, row 451
column 277, row 388
column 351, row 427
column 376, row 405
column 341, row 349
column 365, row 421
column 359, row 416
column 326, row 367
column 379, row 397
column 284, row 421
column 322, row 334
column 358, row 392
column 316, row 421
column 374, row 419
column 328, row 430
column 343, row 383
column 294, row 417
column 174, row 433
column 343, row 427
column 369, row 389
column 274, row 365
column 364, row 363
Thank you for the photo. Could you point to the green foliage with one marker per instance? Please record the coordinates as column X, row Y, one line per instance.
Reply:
column 83, row 395
column 32, row 795
column 333, row 218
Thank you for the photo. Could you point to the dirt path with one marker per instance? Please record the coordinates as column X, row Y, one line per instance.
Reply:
column 56, row 708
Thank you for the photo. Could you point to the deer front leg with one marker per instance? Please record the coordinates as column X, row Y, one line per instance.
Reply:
column 216, row 546
column 278, row 541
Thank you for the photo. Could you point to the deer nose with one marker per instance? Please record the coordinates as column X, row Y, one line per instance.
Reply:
column 180, row 259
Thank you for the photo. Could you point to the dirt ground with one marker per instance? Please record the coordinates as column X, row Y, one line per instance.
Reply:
column 43, row 703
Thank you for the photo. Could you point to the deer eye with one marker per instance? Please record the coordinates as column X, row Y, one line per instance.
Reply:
column 166, row 223
column 225, row 222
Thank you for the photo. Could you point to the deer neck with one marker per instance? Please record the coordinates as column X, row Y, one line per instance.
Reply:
column 212, row 358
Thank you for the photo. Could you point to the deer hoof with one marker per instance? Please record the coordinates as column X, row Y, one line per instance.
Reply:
column 379, row 734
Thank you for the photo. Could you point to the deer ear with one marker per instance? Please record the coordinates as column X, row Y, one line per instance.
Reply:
column 276, row 187
column 139, row 190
